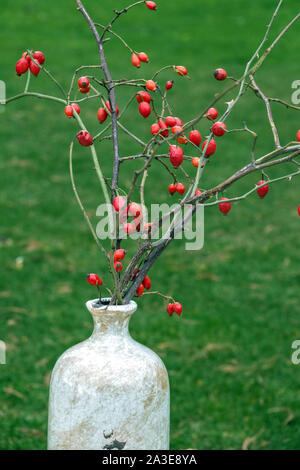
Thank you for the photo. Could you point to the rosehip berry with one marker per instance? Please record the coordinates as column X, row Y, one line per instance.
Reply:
column 172, row 189
column 151, row 85
column 298, row 136
column 140, row 290
column 118, row 203
column 129, row 228
column 118, row 266
column 34, row 67
column 22, row 66
column 220, row 74
column 143, row 96
column 171, row 121
column 170, row 309
column 181, row 70
column 84, row 138
column 182, row 139
column 76, row 107
column 83, row 82
column 177, row 308
column 180, row 188
column 134, row 209
column 85, row 90
column 176, row 129
column 102, row 115
column 151, row 5
column 299, row 209
column 225, row 207
column 263, row 191
column 94, row 280
column 69, row 111
column 197, row 192
column 143, row 57
column 169, row 84
column 135, row 61
column 179, row 122
column 211, row 148
column 147, row 282
column 195, row 137
column 176, row 155
column 163, row 126
column 212, row 114
column 119, row 255
column 219, row 129
column 38, row 55
column 145, row 109
column 195, row 162
column 107, row 104
column 155, row 128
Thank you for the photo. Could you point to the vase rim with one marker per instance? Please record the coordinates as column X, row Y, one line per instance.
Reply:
column 94, row 308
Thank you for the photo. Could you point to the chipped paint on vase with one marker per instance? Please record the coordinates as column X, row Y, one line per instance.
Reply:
column 109, row 392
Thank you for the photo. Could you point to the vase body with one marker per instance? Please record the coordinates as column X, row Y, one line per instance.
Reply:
column 109, row 392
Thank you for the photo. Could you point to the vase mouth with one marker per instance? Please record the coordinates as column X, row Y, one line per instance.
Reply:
column 95, row 308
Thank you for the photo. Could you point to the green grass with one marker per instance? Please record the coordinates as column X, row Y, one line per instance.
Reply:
column 228, row 357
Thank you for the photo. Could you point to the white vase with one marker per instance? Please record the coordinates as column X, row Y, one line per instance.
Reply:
column 109, row 392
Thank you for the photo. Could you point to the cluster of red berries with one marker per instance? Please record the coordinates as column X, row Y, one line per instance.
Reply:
column 26, row 63
column 176, row 307
column 134, row 210
column 69, row 109
column 102, row 112
column 176, row 188
column 136, row 59
column 146, row 284
column 144, row 99
column 84, row 85
column 119, row 255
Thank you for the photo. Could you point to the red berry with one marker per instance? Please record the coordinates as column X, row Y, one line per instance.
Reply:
column 178, row 122
column 76, row 107
column 129, row 228
column 211, row 148
column 176, row 129
column 34, row 67
column 263, row 191
column 143, row 57
column 180, row 188
column 38, row 55
column 181, row 70
column 195, row 161
column 197, row 192
column 143, row 96
column 134, row 209
column 85, row 90
column 212, row 114
column 172, row 189
column 224, row 207
column 169, row 84
column 176, row 155
column 119, row 254
column 151, row 85
column 195, row 137
column 135, row 61
column 177, row 308
column 147, row 282
column 298, row 136
column 151, row 5
column 84, row 138
column 94, row 280
column 118, row 266
column 145, row 109
column 171, row 121
column 299, row 209
column 102, row 115
column 163, row 126
column 140, row 290
column 83, row 82
column 155, row 128
column 22, row 66
column 69, row 111
column 219, row 129
column 220, row 74
column 107, row 104
column 118, row 203
column 170, row 309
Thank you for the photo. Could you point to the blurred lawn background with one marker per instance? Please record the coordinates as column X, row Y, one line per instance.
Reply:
column 229, row 356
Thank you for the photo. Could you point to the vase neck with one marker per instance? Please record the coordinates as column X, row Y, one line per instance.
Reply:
column 111, row 320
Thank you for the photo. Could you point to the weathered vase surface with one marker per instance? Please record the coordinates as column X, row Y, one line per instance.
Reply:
column 109, row 392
